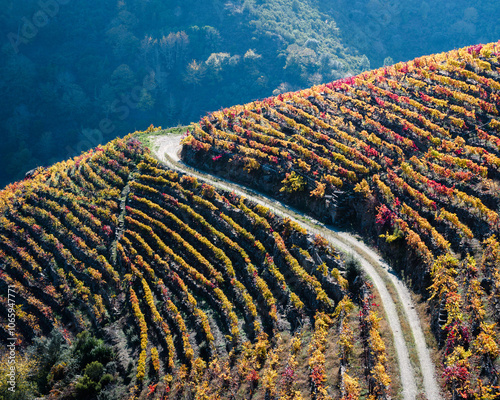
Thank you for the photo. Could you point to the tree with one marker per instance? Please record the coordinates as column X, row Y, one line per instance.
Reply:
column 174, row 49
column 25, row 387
column 146, row 101
column 94, row 370
column 388, row 61
column 195, row 72
column 293, row 183
column 122, row 41
column 122, row 79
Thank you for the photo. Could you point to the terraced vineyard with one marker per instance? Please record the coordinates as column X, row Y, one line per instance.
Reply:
column 410, row 154
column 195, row 292
column 200, row 292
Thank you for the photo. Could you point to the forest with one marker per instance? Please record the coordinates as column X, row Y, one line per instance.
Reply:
column 77, row 74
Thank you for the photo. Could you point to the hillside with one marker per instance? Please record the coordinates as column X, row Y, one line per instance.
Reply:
column 407, row 155
column 125, row 276
column 185, row 290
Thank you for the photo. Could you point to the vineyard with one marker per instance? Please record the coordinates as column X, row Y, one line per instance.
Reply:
column 132, row 280
column 409, row 155
column 194, row 291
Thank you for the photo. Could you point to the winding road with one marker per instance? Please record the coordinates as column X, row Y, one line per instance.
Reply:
column 167, row 149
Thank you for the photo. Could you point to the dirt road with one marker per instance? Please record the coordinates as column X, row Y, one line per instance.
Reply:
column 167, row 149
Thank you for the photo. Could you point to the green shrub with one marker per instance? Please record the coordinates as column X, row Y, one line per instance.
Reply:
column 88, row 348
column 106, row 379
column 86, row 387
column 84, row 345
column 94, row 371
column 102, row 353
column 353, row 268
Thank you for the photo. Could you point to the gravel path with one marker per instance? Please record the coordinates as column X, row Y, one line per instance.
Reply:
column 167, row 149
column 167, row 145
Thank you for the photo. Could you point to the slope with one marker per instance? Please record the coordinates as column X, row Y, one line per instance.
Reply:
column 167, row 149
column 192, row 291
column 407, row 154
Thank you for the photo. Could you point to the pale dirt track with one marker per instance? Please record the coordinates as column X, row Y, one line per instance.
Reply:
column 167, row 149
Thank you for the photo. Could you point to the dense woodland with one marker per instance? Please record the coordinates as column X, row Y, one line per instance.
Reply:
column 90, row 71
column 137, row 63
column 403, row 30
